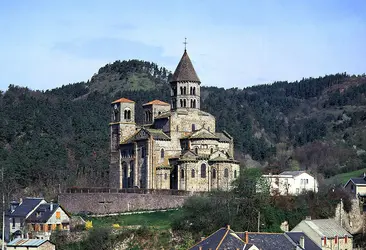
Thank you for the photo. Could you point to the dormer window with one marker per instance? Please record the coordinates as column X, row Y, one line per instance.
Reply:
column 38, row 214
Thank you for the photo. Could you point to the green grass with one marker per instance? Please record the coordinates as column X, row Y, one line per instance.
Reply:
column 159, row 220
column 343, row 178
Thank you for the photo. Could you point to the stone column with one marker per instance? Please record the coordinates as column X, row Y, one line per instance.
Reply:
column 178, row 177
column 135, row 170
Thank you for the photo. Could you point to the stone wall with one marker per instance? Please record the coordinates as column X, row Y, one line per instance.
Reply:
column 106, row 203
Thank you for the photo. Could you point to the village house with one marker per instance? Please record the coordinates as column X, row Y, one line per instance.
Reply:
column 177, row 146
column 290, row 183
column 30, row 244
column 225, row 238
column 357, row 187
column 326, row 233
column 34, row 218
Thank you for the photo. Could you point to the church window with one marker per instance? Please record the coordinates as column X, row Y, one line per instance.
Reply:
column 196, row 151
column 181, row 90
column 213, row 173
column 185, row 90
column 226, row 173
column 203, row 171
column 181, row 102
column 235, row 174
column 162, row 153
column 143, row 152
column 182, row 173
column 211, row 150
column 194, row 104
column 193, row 127
column 165, row 176
column 193, row 173
column 185, row 103
column 194, row 90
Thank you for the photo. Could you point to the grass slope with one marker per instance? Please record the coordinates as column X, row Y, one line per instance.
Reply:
column 343, row 178
column 158, row 220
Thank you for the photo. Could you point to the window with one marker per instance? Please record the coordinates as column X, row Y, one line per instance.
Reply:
column 235, row 174
column 226, row 173
column 185, row 103
column 196, row 151
column 13, row 222
column 185, row 90
column 193, row 173
column 127, row 114
column 40, row 227
column 211, row 150
column 352, row 186
column 182, row 173
column 194, row 90
column 193, row 127
column 142, row 152
column 203, row 171
column 58, row 215
column 213, row 173
column 49, row 227
column 181, row 90
column 181, row 102
column 162, row 153
column 165, row 176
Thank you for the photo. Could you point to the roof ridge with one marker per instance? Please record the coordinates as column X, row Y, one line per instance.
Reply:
column 227, row 231
column 185, row 70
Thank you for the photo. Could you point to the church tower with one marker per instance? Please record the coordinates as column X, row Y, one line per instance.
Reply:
column 185, row 85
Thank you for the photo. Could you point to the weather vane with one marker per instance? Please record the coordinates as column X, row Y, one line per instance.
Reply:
column 185, row 43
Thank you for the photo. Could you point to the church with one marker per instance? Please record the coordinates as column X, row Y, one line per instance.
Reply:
column 176, row 147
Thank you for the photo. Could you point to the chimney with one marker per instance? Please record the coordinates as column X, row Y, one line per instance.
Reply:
column 51, row 206
column 302, row 242
column 200, row 248
column 20, row 201
column 308, row 218
column 246, row 237
column 228, row 227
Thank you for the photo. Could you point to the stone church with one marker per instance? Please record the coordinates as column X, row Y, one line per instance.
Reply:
column 177, row 147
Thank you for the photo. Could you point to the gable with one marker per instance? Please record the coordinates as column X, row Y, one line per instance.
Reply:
column 54, row 219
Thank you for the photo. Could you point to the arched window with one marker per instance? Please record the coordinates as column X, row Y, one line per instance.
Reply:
column 203, row 171
column 165, row 176
column 194, row 103
column 182, row 173
column 185, row 103
column 191, row 103
column 194, row 90
column 125, row 114
column 226, row 173
column 211, row 150
column 162, row 153
column 213, row 173
column 235, row 174
column 193, row 173
column 146, row 116
column 181, row 102
column 193, row 127
column 191, row 91
column 196, row 151
column 181, row 90
column 185, row 90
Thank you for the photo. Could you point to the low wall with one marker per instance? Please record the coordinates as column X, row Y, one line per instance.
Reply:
column 107, row 203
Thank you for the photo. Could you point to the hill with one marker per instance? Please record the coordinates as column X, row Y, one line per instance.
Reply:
column 57, row 138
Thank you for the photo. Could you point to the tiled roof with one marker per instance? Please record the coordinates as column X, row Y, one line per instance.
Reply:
column 222, row 137
column 309, row 244
column 292, row 173
column 327, row 227
column 224, row 238
column 42, row 213
column 202, row 134
column 122, row 100
column 27, row 205
column 156, row 102
column 26, row 242
column 185, row 70
column 158, row 134
column 269, row 241
column 359, row 181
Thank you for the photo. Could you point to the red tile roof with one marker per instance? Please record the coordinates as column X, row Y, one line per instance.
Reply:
column 123, row 100
column 156, row 102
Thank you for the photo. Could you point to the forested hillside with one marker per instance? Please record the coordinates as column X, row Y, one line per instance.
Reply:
column 57, row 138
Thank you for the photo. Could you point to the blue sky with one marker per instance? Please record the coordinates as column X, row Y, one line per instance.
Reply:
column 45, row 44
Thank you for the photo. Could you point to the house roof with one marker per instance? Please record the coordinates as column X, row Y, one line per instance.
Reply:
column 27, row 205
column 309, row 244
column 202, row 134
column 269, row 241
column 42, row 213
column 123, row 100
column 224, row 238
column 156, row 102
column 358, row 181
column 144, row 133
column 185, row 70
column 26, row 242
column 292, row 173
column 158, row 134
column 327, row 228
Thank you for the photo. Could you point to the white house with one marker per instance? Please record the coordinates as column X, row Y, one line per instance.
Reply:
column 290, row 183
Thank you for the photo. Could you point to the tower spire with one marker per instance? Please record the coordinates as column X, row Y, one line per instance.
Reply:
column 185, row 44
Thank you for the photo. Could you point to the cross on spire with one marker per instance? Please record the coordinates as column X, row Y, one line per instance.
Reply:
column 185, row 43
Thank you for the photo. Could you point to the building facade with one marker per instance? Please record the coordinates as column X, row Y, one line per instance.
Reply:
column 177, row 146
column 290, row 183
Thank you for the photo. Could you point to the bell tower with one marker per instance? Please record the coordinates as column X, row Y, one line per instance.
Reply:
column 185, row 85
